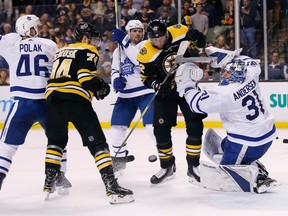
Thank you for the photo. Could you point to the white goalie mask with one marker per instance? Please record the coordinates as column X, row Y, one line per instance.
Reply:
column 25, row 23
column 132, row 24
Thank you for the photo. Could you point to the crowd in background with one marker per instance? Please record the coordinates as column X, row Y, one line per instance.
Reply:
column 215, row 19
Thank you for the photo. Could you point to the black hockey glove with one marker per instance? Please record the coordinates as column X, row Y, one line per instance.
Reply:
column 196, row 37
column 103, row 92
column 164, row 89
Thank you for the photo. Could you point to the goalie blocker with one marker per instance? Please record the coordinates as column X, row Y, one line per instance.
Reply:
column 231, row 178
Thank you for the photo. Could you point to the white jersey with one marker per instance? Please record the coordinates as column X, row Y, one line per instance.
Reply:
column 30, row 64
column 242, row 110
column 130, row 71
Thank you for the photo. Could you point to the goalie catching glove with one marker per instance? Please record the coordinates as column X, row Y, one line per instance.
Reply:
column 186, row 77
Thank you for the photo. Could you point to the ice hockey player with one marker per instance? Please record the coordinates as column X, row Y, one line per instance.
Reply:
column 69, row 93
column 132, row 93
column 157, row 57
column 30, row 60
column 249, row 125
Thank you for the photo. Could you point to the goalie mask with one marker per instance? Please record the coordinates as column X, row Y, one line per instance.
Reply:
column 25, row 23
column 234, row 72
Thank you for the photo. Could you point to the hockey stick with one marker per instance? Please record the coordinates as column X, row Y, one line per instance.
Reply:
column 181, row 59
column 118, row 18
column 182, row 49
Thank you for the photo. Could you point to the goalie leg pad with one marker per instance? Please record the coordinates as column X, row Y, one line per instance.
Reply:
column 228, row 178
column 212, row 146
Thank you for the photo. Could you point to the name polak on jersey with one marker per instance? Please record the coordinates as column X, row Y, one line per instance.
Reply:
column 245, row 90
column 30, row 48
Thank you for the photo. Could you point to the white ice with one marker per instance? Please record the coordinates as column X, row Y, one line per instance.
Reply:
column 22, row 194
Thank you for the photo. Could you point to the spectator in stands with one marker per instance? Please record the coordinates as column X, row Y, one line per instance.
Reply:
column 132, row 11
column 230, row 38
column 6, row 28
column 106, row 73
column 44, row 33
column 199, row 20
column 166, row 18
column 104, row 41
column 209, row 11
column 125, row 17
column 98, row 7
column 247, row 28
column 172, row 11
column 62, row 9
column 44, row 19
column 277, row 70
column 4, row 76
column 221, row 43
column 145, row 17
column 69, row 36
column 6, row 8
column 228, row 18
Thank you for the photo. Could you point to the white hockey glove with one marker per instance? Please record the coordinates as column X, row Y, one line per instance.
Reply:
column 186, row 77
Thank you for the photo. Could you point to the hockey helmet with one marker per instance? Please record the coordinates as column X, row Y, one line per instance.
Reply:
column 25, row 23
column 132, row 24
column 157, row 28
column 233, row 72
column 85, row 29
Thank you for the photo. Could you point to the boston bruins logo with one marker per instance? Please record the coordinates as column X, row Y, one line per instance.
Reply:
column 168, row 62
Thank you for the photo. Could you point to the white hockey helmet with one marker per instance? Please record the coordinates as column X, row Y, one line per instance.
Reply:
column 25, row 23
column 132, row 24
column 222, row 56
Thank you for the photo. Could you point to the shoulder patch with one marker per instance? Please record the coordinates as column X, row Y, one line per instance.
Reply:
column 143, row 51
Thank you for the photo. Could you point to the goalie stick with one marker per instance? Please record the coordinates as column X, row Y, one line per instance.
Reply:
column 181, row 59
column 182, row 49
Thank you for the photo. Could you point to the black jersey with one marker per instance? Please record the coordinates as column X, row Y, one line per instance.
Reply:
column 154, row 63
column 73, row 73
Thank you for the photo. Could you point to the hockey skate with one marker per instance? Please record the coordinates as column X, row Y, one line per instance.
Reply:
column 63, row 184
column 194, row 175
column 116, row 193
column 2, row 177
column 50, row 182
column 164, row 175
column 264, row 183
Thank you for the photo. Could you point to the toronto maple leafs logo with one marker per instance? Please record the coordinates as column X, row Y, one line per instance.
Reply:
column 29, row 18
column 127, row 67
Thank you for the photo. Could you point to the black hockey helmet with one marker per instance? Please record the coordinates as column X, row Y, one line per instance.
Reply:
column 157, row 28
column 85, row 29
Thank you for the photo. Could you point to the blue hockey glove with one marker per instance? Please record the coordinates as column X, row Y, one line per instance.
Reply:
column 121, row 37
column 119, row 83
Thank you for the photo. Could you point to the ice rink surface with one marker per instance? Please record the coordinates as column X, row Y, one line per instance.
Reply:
column 22, row 194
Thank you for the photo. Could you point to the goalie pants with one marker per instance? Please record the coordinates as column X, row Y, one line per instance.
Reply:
column 165, row 117
column 237, row 154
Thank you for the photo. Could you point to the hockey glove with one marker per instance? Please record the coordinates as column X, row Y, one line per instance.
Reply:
column 121, row 37
column 186, row 77
column 196, row 37
column 165, row 89
column 103, row 92
column 119, row 83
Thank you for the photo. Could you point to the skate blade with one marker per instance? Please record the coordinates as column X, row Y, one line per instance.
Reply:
column 118, row 199
column 164, row 180
column 265, row 188
column 194, row 181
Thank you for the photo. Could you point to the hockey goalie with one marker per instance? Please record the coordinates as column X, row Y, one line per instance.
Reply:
column 249, row 126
